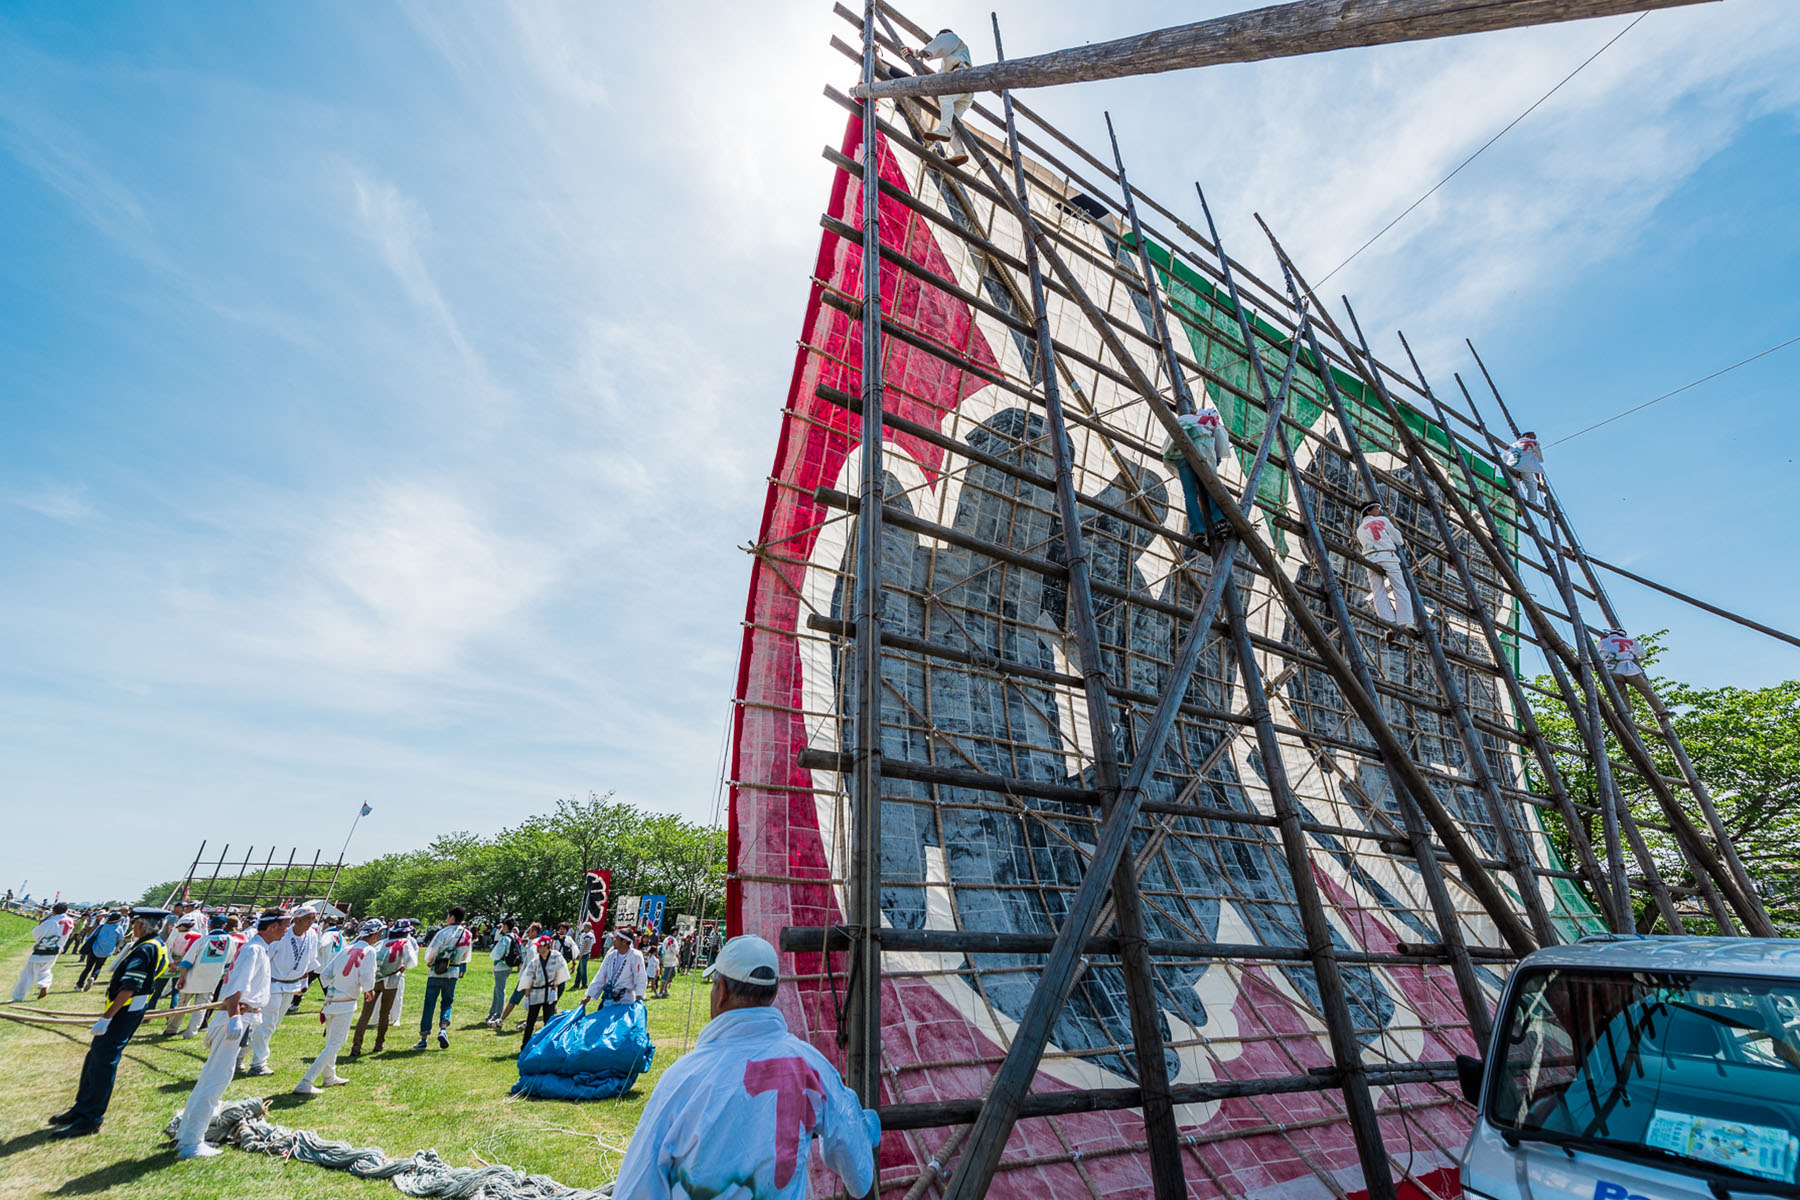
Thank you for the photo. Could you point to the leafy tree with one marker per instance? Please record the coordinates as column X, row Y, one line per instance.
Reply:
column 1745, row 747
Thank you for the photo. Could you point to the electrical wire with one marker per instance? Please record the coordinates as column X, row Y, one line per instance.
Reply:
column 1503, row 132
column 1684, row 387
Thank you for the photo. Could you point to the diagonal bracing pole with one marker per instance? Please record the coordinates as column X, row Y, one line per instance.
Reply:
column 1160, row 1129
column 1517, row 858
column 1757, row 917
column 1605, row 709
column 1007, row 1091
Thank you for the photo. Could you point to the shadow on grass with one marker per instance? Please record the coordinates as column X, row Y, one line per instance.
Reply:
column 25, row 1141
column 117, row 1175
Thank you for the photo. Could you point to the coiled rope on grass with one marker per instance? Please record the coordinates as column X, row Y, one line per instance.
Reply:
column 245, row 1124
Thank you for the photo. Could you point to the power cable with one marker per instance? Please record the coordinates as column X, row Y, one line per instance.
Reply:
column 1684, row 387
column 1503, row 132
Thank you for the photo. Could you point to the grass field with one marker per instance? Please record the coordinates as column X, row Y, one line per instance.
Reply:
column 453, row 1101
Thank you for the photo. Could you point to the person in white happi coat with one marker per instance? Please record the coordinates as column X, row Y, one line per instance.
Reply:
column 292, row 960
column 1379, row 536
column 187, row 932
column 245, row 995
column 1526, row 457
column 740, row 1112
column 1205, row 429
column 47, row 941
column 541, row 982
column 349, row 974
column 203, row 968
column 1622, row 656
column 622, row 977
column 951, row 51
column 396, row 956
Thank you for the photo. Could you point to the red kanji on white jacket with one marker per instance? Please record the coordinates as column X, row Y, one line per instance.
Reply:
column 1380, row 537
column 1621, row 654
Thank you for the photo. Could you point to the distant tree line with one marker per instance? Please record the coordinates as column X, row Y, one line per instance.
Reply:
column 534, row 869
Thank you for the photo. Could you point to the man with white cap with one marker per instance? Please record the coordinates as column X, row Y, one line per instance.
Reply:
column 1381, row 543
column 739, row 1113
column 349, row 974
column 127, row 1003
column 396, row 955
column 622, row 977
column 244, row 994
column 292, row 959
column 1622, row 656
column 47, row 941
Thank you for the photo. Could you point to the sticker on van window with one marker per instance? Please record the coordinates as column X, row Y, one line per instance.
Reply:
column 1759, row 1149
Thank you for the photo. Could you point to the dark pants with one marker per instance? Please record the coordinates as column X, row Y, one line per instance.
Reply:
column 439, row 990
column 383, row 999
column 101, row 1067
column 90, row 969
column 535, row 1013
column 1202, row 513
column 581, row 968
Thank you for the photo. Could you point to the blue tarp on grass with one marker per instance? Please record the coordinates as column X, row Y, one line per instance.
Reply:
column 581, row 1055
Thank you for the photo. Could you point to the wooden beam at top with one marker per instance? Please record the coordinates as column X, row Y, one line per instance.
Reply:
column 1279, row 31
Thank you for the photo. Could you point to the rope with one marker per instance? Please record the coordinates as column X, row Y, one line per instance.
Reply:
column 1684, row 387
column 245, row 1124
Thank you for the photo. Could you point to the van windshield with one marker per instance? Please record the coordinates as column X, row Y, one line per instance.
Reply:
column 1702, row 1067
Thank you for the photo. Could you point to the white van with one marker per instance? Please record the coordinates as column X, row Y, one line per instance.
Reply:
column 1628, row 1068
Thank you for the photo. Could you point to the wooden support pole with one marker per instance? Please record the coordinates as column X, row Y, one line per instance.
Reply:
column 1007, row 1091
column 1160, row 1130
column 1516, row 855
column 863, row 1051
column 1746, row 901
column 1334, row 1002
column 1280, row 31
column 1666, row 590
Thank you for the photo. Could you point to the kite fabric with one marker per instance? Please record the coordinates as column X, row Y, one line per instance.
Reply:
column 582, row 1055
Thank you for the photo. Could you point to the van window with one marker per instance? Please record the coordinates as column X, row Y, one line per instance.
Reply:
column 1689, row 1067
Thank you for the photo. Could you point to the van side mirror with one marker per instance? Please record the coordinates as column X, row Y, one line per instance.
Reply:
column 1469, row 1073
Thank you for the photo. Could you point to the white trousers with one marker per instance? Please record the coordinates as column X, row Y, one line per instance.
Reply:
column 952, row 106
column 34, row 974
column 194, row 1018
column 1528, row 485
column 1387, row 592
column 215, row 1077
column 272, row 1014
column 337, row 1032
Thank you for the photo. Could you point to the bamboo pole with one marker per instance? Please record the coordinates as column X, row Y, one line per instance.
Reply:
column 864, row 1015
column 1279, row 31
column 1160, row 1129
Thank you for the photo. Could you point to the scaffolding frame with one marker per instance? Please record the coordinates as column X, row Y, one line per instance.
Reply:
column 1427, row 748
column 243, row 885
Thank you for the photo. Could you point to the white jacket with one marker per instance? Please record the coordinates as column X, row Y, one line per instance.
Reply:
column 948, row 49
column 206, row 959
column 51, row 934
column 349, row 974
column 1206, row 429
column 1525, row 456
column 540, row 977
column 738, row 1114
column 617, row 973
column 1379, row 536
column 1621, row 655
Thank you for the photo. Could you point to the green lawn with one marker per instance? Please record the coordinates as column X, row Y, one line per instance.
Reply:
column 453, row 1101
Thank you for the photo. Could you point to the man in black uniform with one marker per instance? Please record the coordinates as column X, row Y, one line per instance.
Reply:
column 127, row 1000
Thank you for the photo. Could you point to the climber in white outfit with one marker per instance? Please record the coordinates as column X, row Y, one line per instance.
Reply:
column 1621, row 655
column 953, row 53
column 1526, row 458
column 1381, row 543
column 349, row 974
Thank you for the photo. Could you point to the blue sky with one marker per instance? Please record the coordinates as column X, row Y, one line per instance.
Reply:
column 388, row 388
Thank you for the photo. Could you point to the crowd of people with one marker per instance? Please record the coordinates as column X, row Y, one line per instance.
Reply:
column 233, row 978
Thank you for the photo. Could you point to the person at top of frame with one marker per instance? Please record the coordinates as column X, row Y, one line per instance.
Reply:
column 1379, row 536
column 740, row 1112
column 1622, row 656
column 953, row 53
column 1526, row 458
column 1206, row 430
